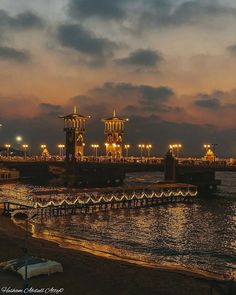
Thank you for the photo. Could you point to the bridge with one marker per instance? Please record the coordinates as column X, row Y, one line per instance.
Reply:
column 105, row 173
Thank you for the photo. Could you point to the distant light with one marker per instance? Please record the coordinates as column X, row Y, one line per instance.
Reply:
column 43, row 146
column 18, row 138
column 7, row 146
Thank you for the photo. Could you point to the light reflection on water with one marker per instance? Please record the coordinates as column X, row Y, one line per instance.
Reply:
column 199, row 236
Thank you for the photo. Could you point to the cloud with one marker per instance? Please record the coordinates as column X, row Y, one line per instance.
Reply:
column 106, row 9
column 12, row 54
column 25, row 20
column 188, row 12
column 209, row 103
column 153, row 96
column 161, row 12
column 232, row 49
column 74, row 36
column 217, row 100
column 50, row 109
column 196, row 11
column 131, row 98
column 142, row 58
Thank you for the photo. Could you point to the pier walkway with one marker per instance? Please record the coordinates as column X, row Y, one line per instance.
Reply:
column 67, row 202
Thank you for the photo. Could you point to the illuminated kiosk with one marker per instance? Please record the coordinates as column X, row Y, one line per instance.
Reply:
column 210, row 156
column 74, row 126
column 114, row 131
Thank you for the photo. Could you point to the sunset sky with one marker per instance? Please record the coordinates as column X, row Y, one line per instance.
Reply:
column 168, row 65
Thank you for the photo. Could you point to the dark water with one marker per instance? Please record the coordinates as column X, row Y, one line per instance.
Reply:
column 199, row 236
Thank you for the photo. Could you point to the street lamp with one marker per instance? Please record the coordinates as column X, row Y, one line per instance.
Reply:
column 61, row 150
column 7, row 146
column 141, row 146
column 126, row 146
column 178, row 147
column 95, row 148
column 25, row 147
column 206, row 147
column 148, row 147
column 175, row 148
column 18, row 140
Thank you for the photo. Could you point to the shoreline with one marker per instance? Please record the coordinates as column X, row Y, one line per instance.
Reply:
column 106, row 274
column 85, row 246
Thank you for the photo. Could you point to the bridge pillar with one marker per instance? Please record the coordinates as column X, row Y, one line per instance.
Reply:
column 170, row 164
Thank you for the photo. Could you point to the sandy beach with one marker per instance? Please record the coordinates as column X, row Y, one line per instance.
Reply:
column 85, row 273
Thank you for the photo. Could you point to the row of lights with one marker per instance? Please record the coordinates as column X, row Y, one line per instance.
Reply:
column 173, row 147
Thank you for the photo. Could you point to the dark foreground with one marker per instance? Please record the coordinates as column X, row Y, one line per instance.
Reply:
column 88, row 274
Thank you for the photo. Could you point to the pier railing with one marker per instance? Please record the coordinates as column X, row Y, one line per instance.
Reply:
column 65, row 202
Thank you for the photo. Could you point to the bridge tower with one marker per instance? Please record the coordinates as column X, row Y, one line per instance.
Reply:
column 74, row 126
column 114, row 131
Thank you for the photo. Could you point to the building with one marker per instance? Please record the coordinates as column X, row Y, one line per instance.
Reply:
column 209, row 156
column 74, row 126
column 114, row 131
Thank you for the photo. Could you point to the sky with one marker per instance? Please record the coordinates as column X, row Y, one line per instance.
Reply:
column 167, row 65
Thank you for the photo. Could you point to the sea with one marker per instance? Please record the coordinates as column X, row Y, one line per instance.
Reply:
column 198, row 237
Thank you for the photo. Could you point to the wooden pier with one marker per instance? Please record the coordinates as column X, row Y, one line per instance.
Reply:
column 68, row 202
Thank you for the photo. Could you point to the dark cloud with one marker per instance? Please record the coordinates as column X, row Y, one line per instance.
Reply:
column 146, row 58
column 143, row 13
column 215, row 100
column 144, row 98
column 107, row 9
column 196, row 11
column 26, row 20
column 152, row 96
column 144, row 92
column 232, row 49
column 8, row 53
column 209, row 103
column 74, row 36
column 51, row 109
column 188, row 12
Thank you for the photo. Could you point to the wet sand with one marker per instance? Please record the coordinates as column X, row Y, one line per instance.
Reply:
column 85, row 273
